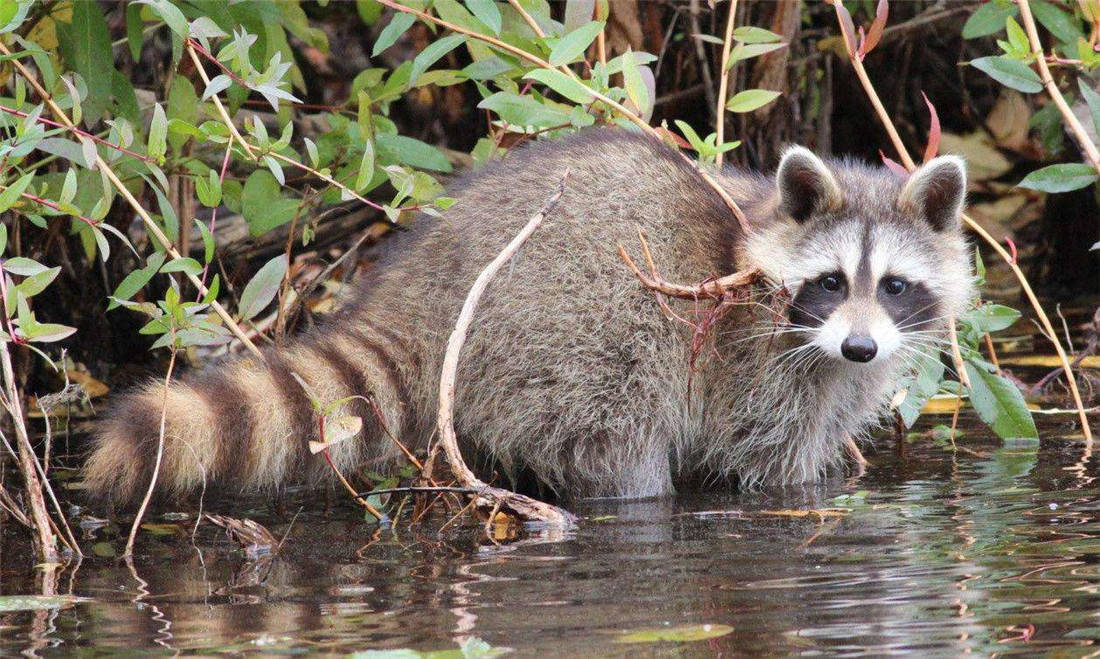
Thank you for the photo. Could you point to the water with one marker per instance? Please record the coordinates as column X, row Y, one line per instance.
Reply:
column 991, row 549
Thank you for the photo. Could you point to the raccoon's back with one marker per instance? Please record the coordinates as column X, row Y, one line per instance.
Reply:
column 566, row 346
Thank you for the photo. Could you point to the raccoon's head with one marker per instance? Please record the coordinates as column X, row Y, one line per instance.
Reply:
column 873, row 264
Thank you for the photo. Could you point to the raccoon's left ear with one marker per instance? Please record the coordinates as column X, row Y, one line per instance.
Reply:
column 806, row 186
column 937, row 191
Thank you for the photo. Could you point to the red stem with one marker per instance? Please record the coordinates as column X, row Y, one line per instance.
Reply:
column 100, row 140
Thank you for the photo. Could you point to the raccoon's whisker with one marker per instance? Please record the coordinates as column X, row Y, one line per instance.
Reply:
column 795, row 330
column 920, row 354
column 927, row 306
column 808, row 313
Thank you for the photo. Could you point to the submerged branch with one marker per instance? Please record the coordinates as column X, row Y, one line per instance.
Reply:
column 489, row 498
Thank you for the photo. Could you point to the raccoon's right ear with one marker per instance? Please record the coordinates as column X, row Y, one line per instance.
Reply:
column 937, row 191
column 805, row 184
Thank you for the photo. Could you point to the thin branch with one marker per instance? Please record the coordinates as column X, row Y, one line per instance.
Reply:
column 82, row 133
column 488, row 497
column 217, row 101
column 1079, row 131
column 723, row 84
column 711, row 288
column 910, row 165
column 160, row 454
column 150, row 225
column 57, row 207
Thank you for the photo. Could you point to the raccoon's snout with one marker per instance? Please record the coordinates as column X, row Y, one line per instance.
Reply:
column 859, row 348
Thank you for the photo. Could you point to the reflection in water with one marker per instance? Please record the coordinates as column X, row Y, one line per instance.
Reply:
column 991, row 550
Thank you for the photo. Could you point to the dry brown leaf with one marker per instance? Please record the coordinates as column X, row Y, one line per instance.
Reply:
column 983, row 160
column 1008, row 121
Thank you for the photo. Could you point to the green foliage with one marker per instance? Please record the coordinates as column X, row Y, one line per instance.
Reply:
column 1069, row 25
column 1060, row 178
column 1010, row 73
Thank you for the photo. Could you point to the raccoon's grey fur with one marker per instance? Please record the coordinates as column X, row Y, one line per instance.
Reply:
column 572, row 373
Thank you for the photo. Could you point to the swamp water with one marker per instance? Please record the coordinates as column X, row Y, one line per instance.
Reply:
column 991, row 549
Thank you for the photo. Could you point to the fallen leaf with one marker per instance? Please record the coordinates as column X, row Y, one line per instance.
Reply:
column 1008, row 121
column 983, row 160
column 678, row 634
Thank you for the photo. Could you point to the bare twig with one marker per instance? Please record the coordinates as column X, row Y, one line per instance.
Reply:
column 488, row 497
column 156, row 464
column 217, row 101
column 1091, row 151
column 45, row 541
column 723, row 84
column 701, row 56
column 856, row 455
column 709, row 288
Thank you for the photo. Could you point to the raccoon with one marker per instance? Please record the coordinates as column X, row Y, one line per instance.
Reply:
column 573, row 374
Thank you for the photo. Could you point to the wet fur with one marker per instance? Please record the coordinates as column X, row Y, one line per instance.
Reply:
column 571, row 372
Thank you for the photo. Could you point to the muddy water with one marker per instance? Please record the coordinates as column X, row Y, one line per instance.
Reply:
column 993, row 548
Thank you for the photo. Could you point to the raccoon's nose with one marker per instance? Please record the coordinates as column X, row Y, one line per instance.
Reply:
column 859, row 348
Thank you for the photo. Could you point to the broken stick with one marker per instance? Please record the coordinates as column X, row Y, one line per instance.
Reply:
column 487, row 498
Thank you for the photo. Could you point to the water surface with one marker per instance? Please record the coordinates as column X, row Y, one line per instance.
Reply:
column 990, row 549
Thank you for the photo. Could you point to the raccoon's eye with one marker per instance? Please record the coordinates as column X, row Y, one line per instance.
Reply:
column 894, row 285
column 830, row 283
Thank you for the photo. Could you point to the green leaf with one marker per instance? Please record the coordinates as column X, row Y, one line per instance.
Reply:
column 24, row 267
column 92, row 57
column 747, row 51
column 432, row 53
column 366, row 166
column 171, row 14
column 990, row 318
column 1061, row 24
column 135, row 30
column 35, row 284
column 751, row 99
column 524, row 110
column 1000, row 404
column 136, row 280
column 263, row 205
column 209, row 189
column 412, row 152
column 1009, row 72
column 636, row 89
column 921, row 386
column 567, row 86
column 261, row 289
column 369, row 11
column 1060, row 178
column 68, row 188
column 207, row 241
column 183, row 264
column 1093, row 100
column 988, row 19
column 392, row 32
column 183, row 105
column 573, row 45
column 49, row 332
column 751, row 34
column 486, row 12
column 1016, row 36
column 158, row 132
column 13, row 192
